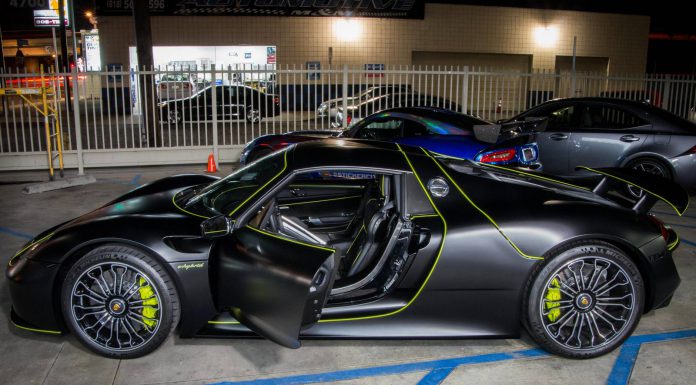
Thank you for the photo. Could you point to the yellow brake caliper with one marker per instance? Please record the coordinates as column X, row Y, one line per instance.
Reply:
column 553, row 294
column 149, row 299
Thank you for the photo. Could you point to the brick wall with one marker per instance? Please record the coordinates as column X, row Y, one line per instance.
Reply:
column 446, row 28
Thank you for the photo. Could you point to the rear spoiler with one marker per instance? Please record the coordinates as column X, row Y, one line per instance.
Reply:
column 655, row 188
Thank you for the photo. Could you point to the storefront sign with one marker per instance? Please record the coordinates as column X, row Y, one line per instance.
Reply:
column 92, row 52
column 393, row 9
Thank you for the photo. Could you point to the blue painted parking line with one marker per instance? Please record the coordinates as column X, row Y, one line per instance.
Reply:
column 135, row 180
column 16, row 233
column 688, row 242
column 351, row 374
column 438, row 370
column 621, row 372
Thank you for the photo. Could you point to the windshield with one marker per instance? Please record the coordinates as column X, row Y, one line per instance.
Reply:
column 226, row 195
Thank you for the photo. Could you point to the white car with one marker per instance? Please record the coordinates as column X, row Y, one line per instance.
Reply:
column 179, row 86
column 330, row 107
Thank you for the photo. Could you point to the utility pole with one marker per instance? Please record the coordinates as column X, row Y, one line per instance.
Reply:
column 143, row 39
column 65, row 60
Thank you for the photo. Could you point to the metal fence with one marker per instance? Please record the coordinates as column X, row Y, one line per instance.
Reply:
column 180, row 115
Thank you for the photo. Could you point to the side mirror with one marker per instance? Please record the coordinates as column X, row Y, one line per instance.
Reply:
column 217, row 227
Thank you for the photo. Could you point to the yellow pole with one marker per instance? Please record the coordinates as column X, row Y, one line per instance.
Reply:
column 47, row 127
column 59, row 132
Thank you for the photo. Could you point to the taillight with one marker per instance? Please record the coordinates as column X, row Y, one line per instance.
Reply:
column 498, row 156
column 661, row 226
column 276, row 100
column 186, row 85
column 692, row 150
column 163, row 86
column 348, row 120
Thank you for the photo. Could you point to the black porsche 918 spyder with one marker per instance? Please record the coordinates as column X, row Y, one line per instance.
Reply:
column 355, row 239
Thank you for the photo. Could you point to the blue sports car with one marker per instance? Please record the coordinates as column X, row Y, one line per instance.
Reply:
column 441, row 131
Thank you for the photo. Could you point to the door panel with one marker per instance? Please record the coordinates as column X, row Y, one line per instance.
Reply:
column 271, row 284
column 605, row 137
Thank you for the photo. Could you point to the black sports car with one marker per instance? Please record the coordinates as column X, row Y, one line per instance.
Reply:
column 355, row 239
column 231, row 102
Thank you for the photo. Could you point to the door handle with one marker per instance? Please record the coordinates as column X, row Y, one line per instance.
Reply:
column 629, row 138
column 559, row 136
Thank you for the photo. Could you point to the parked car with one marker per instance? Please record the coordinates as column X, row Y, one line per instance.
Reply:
column 356, row 112
column 438, row 130
column 179, row 85
column 235, row 101
column 603, row 132
column 330, row 107
column 391, row 242
column 651, row 96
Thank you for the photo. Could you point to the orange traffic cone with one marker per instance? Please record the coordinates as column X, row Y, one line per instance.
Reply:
column 211, row 164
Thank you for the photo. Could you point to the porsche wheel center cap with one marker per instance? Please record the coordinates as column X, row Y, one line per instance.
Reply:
column 584, row 301
column 117, row 306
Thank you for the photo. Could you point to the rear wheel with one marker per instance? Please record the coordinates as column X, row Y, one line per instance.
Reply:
column 650, row 166
column 119, row 302
column 253, row 115
column 585, row 301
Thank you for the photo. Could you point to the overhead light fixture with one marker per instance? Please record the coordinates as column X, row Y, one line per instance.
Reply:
column 347, row 29
column 546, row 36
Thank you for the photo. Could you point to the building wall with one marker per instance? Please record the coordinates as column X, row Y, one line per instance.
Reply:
column 446, row 28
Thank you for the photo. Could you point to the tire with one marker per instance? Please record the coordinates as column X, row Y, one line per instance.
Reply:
column 258, row 154
column 253, row 115
column 173, row 116
column 127, row 321
column 651, row 166
column 556, row 304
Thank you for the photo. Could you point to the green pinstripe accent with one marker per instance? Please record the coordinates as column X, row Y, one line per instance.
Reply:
column 514, row 246
column 327, row 186
column 533, row 176
column 322, row 200
column 423, row 216
column 674, row 244
column 216, row 231
column 224, row 322
column 290, row 239
column 430, row 272
column 186, row 211
column 642, row 188
column 285, row 166
column 447, row 156
column 27, row 247
column 228, row 190
column 37, row 330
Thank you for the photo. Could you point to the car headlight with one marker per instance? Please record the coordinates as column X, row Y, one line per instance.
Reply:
column 27, row 250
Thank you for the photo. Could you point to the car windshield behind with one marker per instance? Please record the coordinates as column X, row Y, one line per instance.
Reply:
column 225, row 195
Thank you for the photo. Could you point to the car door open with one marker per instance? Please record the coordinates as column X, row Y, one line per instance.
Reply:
column 273, row 285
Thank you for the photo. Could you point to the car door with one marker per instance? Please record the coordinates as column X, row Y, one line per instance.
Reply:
column 274, row 285
column 605, row 136
column 227, row 101
column 554, row 139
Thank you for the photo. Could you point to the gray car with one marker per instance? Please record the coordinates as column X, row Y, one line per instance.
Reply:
column 604, row 132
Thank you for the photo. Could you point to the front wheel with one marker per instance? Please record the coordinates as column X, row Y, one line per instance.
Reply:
column 119, row 302
column 585, row 301
column 253, row 115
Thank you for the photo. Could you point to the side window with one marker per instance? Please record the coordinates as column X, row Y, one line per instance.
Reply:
column 561, row 118
column 608, row 117
column 412, row 128
column 381, row 129
column 417, row 202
